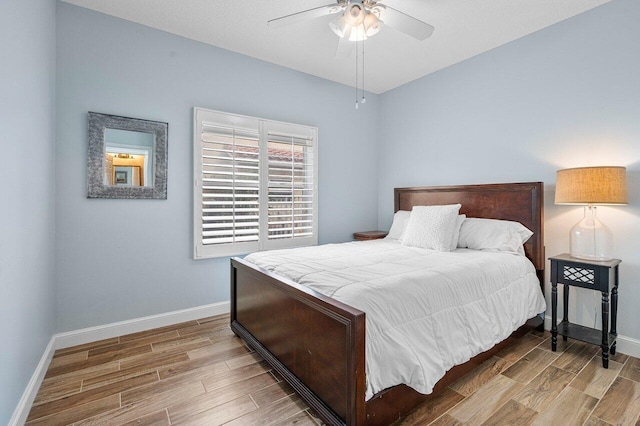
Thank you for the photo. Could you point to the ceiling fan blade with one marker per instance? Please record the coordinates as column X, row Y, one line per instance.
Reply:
column 314, row 13
column 405, row 23
column 344, row 46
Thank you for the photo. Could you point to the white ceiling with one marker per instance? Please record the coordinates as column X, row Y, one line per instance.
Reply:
column 463, row 28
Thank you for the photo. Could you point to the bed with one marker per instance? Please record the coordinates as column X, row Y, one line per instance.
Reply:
column 318, row 343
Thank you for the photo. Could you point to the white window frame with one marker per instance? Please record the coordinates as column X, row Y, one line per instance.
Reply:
column 263, row 126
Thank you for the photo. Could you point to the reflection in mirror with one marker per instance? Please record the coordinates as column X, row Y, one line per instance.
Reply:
column 127, row 149
column 127, row 157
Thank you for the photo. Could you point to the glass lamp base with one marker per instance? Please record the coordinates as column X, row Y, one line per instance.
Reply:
column 590, row 238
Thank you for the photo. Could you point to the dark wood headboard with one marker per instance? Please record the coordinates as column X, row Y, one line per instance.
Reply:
column 521, row 202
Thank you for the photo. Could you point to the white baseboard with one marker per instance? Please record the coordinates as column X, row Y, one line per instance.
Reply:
column 628, row 345
column 92, row 334
column 21, row 412
column 625, row 345
column 107, row 331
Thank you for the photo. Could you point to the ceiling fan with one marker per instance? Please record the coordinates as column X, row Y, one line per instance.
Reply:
column 360, row 19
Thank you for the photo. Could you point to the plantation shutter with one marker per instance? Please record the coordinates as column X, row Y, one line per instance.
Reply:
column 229, row 185
column 255, row 184
column 291, row 185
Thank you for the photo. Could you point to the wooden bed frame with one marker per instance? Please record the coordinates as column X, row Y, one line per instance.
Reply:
column 318, row 344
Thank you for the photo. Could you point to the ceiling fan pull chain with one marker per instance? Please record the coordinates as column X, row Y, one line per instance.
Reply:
column 363, row 100
column 357, row 104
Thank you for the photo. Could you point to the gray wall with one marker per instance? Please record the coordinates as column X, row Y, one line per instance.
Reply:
column 566, row 96
column 122, row 259
column 27, row 81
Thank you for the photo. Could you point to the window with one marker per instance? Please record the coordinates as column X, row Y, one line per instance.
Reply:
column 255, row 184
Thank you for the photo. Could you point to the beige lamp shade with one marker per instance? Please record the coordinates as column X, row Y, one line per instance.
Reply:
column 592, row 185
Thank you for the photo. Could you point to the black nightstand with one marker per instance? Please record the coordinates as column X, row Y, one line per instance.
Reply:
column 594, row 275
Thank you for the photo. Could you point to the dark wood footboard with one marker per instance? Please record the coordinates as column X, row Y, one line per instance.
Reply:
column 316, row 343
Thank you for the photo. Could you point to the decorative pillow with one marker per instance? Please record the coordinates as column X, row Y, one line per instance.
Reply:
column 400, row 220
column 456, row 231
column 493, row 235
column 431, row 227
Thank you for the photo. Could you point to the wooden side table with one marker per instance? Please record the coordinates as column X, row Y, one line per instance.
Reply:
column 594, row 275
column 369, row 235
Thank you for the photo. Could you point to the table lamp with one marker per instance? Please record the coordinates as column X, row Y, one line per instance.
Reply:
column 591, row 186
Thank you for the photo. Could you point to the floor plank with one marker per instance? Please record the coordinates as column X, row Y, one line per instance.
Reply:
column 68, row 359
column 272, row 393
column 432, row 409
column 621, row 404
column 530, row 365
column 576, row 356
column 65, row 417
column 477, row 408
column 159, row 418
column 97, row 360
column 193, row 368
column 300, row 419
column 215, row 381
column 133, row 343
column 594, row 421
column 471, row 382
column 56, row 389
column 521, row 347
column 82, row 398
column 561, row 346
column 156, row 331
column 207, row 327
column 243, row 360
column 272, row 414
column 572, row 406
column 85, row 373
column 86, row 346
column 512, row 413
column 618, row 357
column 446, row 420
column 181, row 341
column 222, row 317
column 544, row 388
column 153, row 360
column 594, row 380
column 631, row 369
column 221, row 414
column 114, row 376
column 181, row 412
column 154, row 402
column 226, row 349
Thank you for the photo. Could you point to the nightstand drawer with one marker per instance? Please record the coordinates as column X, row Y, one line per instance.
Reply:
column 581, row 274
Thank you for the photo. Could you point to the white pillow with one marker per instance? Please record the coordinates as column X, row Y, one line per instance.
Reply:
column 456, row 231
column 431, row 227
column 493, row 235
column 400, row 220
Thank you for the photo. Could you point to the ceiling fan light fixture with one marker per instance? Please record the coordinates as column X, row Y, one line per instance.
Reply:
column 372, row 24
column 354, row 14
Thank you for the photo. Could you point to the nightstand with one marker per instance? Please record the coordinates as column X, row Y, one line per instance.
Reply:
column 369, row 235
column 595, row 275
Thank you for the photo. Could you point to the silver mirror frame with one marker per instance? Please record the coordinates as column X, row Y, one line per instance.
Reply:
column 96, row 188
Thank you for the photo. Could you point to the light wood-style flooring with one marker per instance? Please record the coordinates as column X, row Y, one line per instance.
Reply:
column 199, row 373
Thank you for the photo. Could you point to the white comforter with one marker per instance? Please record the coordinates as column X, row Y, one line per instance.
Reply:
column 426, row 311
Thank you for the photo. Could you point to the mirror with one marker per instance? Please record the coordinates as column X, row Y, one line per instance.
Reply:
column 127, row 157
